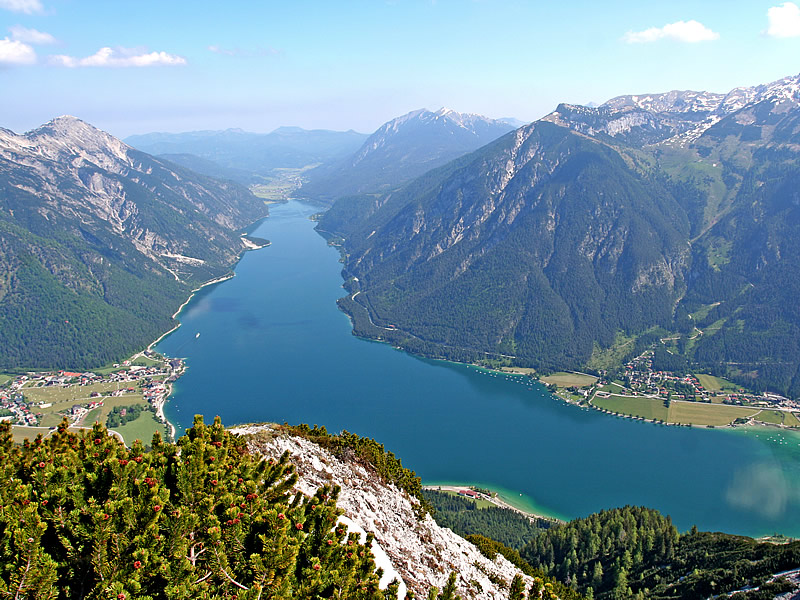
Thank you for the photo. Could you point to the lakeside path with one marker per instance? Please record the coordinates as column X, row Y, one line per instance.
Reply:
column 496, row 500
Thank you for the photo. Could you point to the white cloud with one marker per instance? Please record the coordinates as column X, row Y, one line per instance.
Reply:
column 31, row 36
column 784, row 20
column 29, row 7
column 682, row 31
column 13, row 52
column 119, row 57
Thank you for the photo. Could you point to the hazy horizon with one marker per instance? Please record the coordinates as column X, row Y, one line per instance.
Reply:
column 206, row 65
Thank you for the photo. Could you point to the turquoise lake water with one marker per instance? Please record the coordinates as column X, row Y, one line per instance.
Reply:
column 273, row 346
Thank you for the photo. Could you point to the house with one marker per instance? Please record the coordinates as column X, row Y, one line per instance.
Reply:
column 469, row 494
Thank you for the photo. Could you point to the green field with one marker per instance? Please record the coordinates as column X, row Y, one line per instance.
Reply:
column 19, row 433
column 778, row 417
column 716, row 384
column 648, row 408
column 100, row 414
column 5, row 378
column 144, row 361
column 142, row 429
column 698, row 413
column 569, row 379
column 684, row 413
column 702, row 313
column 59, row 394
column 64, row 398
column 613, row 388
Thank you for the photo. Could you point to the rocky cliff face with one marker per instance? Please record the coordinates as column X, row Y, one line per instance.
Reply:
column 82, row 178
column 419, row 552
column 542, row 217
column 539, row 247
column 675, row 118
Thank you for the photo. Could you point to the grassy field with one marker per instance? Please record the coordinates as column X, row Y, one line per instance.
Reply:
column 64, row 398
column 569, row 379
column 702, row 313
column 613, row 388
column 19, row 433
column 144, row 361
column 770, row 416
column 791, row 420
column 698, row 413
column 716, row 384
column 685, row 413
column 101, row 414
column 142, row 428
column 65, row 394
column 5, row 378
column 648, row 408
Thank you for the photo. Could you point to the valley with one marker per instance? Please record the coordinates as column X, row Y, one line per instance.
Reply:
column 276, row 326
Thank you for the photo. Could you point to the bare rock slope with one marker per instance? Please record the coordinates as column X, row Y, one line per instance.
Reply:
column 421, row 552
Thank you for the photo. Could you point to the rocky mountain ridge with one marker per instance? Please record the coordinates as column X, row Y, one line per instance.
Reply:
column 543, row 246
column 419, row 552
column 99, row 236
column 402, row 149
column 99, row 171
column 676, row 117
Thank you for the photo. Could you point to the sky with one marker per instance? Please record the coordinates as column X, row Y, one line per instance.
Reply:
column 137, row 66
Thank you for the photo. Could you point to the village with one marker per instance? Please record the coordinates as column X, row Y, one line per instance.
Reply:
column 43, row 399
column 640, row 379
column 639, row 391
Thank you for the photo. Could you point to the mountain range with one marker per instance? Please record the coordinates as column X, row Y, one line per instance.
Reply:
column 101, row 243
column 249, row 157
column 650, row 216
column 402, row 149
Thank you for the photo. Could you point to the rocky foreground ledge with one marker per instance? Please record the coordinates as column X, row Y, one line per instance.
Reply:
column 419, row 552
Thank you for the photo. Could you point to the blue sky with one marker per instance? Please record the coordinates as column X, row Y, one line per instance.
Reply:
column 134, row 67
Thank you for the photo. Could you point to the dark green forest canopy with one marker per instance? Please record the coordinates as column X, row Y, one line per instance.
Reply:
column 85, row 517
column 635, row 552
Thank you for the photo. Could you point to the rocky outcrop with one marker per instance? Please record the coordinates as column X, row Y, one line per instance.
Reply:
column 419, row 552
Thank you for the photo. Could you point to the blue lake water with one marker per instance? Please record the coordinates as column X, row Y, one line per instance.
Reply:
column 273, row 346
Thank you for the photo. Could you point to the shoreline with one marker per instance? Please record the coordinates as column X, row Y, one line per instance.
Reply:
column 496, row 500
column 752, row 423
column 159, row 404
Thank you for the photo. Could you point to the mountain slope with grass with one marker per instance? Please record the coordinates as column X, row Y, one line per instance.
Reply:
column 672, row 212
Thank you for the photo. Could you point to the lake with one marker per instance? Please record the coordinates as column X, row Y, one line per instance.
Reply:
column 273, row 346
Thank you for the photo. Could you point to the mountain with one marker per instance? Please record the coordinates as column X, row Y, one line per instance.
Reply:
column 249, row 157
column 658, row 212
column 101, row 243
column 515, row 123
column 401, row 150
column 415, row 549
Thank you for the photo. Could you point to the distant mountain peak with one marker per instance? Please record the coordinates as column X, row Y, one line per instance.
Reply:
column 404, row 148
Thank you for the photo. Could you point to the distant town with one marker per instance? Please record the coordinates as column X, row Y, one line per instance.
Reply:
column 638, row 391
column 41, row 399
